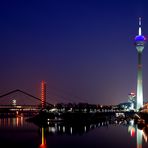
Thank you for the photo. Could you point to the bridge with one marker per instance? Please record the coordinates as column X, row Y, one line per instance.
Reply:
column 16, row 105
column 12, row 106
column 31, row 105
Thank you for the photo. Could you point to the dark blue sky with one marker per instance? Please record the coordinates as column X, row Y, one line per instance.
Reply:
column 84, row 50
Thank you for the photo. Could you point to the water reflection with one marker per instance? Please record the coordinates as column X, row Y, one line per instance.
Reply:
column 12, row 122
column 15, row 122
column 145, row 133
column 139, row 138
column 141, row 133
column 61, row 128
column 43, row 144
column 55, row 130
column 131, row 128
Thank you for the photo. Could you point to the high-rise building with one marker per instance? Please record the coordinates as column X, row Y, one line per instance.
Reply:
column 139, row 42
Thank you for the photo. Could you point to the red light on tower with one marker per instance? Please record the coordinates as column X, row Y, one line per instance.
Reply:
column 43, row 94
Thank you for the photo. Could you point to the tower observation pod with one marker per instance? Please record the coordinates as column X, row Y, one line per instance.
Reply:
column 139, row 43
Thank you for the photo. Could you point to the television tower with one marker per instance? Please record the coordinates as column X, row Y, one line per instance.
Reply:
column 139, row 42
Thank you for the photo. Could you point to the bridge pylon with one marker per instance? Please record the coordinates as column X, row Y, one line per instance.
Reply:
column 43, row 94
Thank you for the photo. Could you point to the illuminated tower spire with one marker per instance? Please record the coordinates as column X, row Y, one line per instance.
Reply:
column 139, row 42
column 140, row 31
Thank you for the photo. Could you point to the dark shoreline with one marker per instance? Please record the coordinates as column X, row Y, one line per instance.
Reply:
column 76, row 118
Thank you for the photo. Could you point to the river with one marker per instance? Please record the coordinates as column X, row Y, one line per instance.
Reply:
column 18, row 133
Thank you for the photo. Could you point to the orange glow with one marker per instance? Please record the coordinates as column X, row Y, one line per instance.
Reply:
column 43, row 94
column 43, row 145
column 17, row 121
column 21, row 120
column 17, row 112
column 139, row 145
column 144, row 136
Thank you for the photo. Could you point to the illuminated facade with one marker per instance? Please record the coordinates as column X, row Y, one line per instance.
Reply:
column 43, row 94
column 139, row 42
column 132, row 100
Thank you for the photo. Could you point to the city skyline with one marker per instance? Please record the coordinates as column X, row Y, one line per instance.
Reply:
column 84, row 51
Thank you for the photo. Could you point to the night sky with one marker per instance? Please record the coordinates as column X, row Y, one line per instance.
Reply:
column 84, row 50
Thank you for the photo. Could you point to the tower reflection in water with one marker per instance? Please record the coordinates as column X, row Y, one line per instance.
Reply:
column 43, row 144
column 59, row 128
column 141, row 133
column 139, row 138
column 134, row 130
